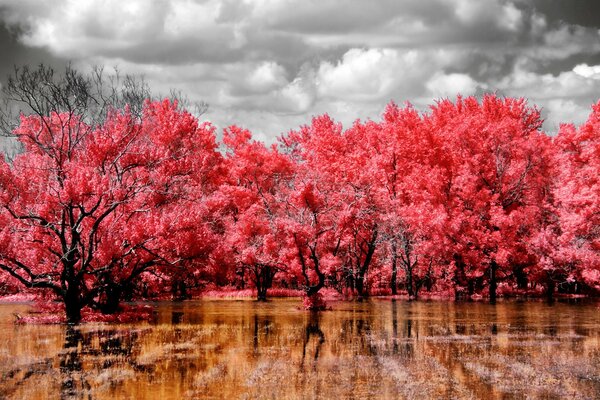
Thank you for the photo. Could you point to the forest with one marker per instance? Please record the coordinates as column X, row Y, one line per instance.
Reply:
column 469, row 199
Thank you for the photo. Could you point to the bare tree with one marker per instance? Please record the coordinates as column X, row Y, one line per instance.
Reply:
column 42, row 91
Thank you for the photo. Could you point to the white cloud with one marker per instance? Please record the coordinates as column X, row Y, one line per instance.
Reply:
column 266, row 77
column 587, row 71
column 297, row 97
column 362, row 74
column 560, row 111
column 376, row 75
column 274, row 64
column 566, row 85
column 564, row 98
column 449, row 85
column 80, row 27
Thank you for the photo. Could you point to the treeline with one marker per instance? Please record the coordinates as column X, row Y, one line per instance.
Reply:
column 105, row 204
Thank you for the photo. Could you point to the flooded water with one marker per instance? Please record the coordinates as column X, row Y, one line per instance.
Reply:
column 247, row 350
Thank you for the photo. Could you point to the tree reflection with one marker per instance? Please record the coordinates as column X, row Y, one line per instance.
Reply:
column 101, row 350
column 377, row 349
column 394, row 326
column 408, row 347
column 313, row 330
column 73, row 383
column 260, row 325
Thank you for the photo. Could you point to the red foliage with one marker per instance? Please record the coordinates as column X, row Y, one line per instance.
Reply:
column 87, row 210
column 470, row 199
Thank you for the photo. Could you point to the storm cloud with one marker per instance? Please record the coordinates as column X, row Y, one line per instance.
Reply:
column 271, row 65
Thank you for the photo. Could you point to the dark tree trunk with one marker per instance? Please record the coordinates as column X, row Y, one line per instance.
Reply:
column 310, row 290
column 179, row 290
column 550, row 284
column 261, row 294
column 360, row 286
column 350, row 280
column 364, row 268
column 73, row 304
column 493, row 283
column 394, row 280
column 520, row 277
column 264, row 275
column 410, row 284
column 459, row 278
column 110, row 304
column 314, row 289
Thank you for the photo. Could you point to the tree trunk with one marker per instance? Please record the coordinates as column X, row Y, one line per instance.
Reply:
column 261, row 289
column 493, row 283
column 409, row 283
column 261, row 293
column 360, row 286
column 264, row 275
column 362, row 270
column 549, row 288
column 520, row 277
column 112, row 301
column 179, row 290
column 394, row 282
column 459, row 278
column 312, row 290
column 73, row 304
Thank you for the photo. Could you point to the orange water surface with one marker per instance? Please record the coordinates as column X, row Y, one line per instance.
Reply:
column 379, row 349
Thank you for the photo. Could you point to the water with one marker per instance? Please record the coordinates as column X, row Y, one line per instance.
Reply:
column 377, row 349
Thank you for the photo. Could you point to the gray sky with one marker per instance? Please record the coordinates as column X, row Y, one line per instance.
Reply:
column 271, row 65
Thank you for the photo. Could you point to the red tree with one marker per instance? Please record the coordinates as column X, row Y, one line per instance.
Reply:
column 314, row 210
column 253, row 207
column 570, row 243
column 495, row 185
column 86, row 210
column 402, row 157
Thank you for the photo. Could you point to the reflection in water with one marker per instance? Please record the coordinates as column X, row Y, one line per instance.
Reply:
column 373, row 349
column 176, row 317
column 394, row 326
column 73, row 381
column 313, row 329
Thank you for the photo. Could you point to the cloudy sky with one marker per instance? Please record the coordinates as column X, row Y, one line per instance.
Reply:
column 269, row 65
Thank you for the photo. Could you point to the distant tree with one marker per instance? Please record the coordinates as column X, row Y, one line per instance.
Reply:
column 399, row 157
column 569, row 244
column 253, row 205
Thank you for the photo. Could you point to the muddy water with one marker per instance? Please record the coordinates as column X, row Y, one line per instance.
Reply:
column 377, row 349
